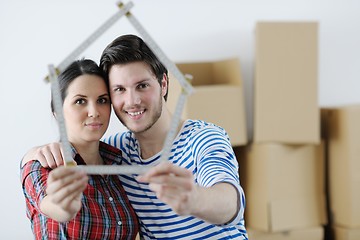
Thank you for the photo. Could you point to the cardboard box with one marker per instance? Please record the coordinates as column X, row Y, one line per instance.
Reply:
column 218, row 96
column 286, row 83
column 315, row 233
column 284, row 187
column 343, row 131
column 240, row 154
column 346, row 233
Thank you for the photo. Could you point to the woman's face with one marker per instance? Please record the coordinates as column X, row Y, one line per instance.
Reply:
column 86, row 109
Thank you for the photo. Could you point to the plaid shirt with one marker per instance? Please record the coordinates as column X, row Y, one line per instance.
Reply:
column 105, row 213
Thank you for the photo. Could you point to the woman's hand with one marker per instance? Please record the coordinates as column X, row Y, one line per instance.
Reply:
column 65, row 186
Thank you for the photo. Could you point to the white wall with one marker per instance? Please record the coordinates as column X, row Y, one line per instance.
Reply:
column 40, row 32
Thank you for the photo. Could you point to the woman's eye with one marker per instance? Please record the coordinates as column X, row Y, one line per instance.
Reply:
column 103, row 100
column 80, row 101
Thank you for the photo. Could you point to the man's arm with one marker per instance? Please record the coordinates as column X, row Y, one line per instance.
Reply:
column 175, row 186
column 49, row 155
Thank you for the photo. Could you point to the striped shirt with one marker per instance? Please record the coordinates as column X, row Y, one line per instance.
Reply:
column 105, row 213
column 203, row 148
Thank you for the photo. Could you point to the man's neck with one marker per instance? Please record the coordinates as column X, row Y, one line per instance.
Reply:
column 152, row 141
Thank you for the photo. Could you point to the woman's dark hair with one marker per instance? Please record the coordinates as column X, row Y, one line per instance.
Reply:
column 130, row 48
column 74, row 70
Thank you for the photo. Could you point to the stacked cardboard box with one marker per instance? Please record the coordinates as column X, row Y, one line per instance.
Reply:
column 315, row 233
column 284, row 186
column 286, row 100
column 284, row 165
column 218, row 97
column 342, row 129
column 282, row 170
column 341, row 233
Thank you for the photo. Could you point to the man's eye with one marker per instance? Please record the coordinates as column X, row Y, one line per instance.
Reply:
column 119, row 89
column 143, row 85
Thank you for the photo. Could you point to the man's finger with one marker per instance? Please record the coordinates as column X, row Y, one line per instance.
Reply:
column 46, row 159
column 165, row 168
column 58, row 154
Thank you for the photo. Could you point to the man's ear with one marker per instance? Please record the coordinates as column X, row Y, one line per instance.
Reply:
column 164, row 85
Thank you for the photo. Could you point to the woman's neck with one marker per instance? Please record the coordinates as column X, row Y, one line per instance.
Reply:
column 89, row 152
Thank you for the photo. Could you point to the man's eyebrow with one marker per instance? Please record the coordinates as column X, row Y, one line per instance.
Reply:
column 136, row 83
column 142, row 81
column 116, row 85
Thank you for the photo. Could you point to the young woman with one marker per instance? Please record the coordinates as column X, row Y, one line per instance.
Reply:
column 65, row 203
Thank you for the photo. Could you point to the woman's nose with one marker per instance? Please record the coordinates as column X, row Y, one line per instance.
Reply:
column 93, row 111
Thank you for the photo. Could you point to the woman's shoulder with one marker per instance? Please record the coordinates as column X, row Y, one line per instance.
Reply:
column 105, row 147
column 32, row 168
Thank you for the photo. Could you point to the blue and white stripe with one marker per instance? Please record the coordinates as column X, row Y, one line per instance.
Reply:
column 205, row 149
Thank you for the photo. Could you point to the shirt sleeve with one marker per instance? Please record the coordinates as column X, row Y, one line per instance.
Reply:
column 34, row 177
column 216, row 163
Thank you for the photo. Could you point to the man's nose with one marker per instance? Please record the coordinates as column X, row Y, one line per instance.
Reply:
column 133, row 98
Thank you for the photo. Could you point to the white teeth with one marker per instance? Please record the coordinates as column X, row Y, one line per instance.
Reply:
column 135, row 113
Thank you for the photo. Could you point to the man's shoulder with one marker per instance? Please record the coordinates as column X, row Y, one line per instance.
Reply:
column 199, row 125
column 117, row 139
column 202, row 131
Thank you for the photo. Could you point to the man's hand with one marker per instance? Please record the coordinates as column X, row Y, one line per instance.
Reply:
column 176, row 187
column 173, row 185
column 49, row 155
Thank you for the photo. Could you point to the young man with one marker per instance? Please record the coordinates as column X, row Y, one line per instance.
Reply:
column 196, row 194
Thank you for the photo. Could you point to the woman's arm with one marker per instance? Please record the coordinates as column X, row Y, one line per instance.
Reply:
column 65, row 186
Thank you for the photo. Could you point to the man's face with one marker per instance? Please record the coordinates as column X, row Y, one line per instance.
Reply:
column 136, row 95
